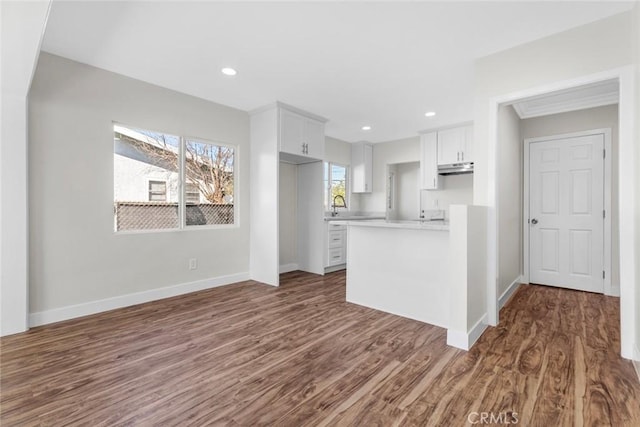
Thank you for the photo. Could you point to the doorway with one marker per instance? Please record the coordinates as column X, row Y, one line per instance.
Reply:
column 566, row 234
column 625, row 77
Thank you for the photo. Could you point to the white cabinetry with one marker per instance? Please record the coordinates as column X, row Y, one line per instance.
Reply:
column 429, row 161
column 361, row 167
column 336, row 253
column 273, row 129
column 301, row 135
column 455, row 145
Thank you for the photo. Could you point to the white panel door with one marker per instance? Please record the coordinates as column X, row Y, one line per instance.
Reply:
column 566, row 223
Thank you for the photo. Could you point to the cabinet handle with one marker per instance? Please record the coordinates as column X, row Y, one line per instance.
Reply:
column 458, row 158
column 303, row 148
column 462, row 155
column 434, row 183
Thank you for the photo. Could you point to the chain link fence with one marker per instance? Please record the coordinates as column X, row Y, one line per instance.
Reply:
column 162, row 215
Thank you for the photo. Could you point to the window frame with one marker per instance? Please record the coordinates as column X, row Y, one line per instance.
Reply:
column 328, row 201
column 182, row 219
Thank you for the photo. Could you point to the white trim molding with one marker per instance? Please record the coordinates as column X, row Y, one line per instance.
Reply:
column 508, row 293
column 99, row 306
column 466, row 341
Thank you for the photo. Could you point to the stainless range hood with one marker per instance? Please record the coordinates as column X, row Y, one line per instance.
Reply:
column 456, row 168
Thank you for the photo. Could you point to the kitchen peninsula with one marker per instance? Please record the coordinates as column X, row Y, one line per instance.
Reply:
column 400, row 267
column 425, row 271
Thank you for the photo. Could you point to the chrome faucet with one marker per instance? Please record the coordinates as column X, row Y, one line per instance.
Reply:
column 344, row 204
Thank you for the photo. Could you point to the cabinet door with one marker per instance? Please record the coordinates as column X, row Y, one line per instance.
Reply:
column 361, row 168
column 314, row 137
column 429, row 161
column 467, row 151
column 450, row 145
column 368, row 168
column 292, row 130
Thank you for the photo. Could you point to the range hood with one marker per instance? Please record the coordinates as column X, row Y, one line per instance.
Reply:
column 456, row 168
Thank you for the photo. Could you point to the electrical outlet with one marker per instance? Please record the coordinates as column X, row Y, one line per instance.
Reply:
column 193, row 263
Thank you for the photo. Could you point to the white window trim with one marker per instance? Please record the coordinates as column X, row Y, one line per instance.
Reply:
column 181, row 186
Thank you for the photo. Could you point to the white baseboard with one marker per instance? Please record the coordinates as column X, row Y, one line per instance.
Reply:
column 286, row 268
column 466, row 341
column 335, row 268
column 509, row 292
column 614, row 291
column 93, row 307
column 636, row 359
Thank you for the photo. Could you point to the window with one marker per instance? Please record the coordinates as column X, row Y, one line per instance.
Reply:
column 157, row 191
column 335, row 184
column 149, row 169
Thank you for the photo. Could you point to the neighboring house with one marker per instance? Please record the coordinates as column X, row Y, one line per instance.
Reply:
column 139, row 176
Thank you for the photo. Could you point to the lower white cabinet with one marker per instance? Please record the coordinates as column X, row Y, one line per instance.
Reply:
column 336, row 247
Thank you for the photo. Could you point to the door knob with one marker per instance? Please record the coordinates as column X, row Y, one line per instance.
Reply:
column 534, row 221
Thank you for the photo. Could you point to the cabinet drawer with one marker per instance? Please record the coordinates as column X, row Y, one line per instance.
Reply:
column 336, row 239
column 336, row 256
column 335, row 227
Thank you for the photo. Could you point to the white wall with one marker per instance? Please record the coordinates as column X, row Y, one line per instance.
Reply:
column 575, row 121
column 593, row 48
column 74, row 255
column 384, row 153
column 337, row 151
column 21, row 28
column 455, row 190
column 288, row 214
column 407, row 190
column 509, row 198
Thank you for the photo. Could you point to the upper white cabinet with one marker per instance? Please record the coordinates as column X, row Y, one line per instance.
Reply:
column 429, row 161
column 301, row 135
column 455, row 145
column 361, row 167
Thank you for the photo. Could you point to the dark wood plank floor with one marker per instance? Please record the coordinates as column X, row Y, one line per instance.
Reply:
column 248, row 354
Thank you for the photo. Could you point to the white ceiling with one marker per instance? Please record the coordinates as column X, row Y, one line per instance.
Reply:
column 382, row 64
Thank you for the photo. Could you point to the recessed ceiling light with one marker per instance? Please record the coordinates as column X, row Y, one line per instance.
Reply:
column 430, row 113
column 227, row 71
column 366, row 127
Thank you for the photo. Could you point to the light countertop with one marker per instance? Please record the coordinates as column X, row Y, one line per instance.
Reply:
column 353, row 218
column 411, row 225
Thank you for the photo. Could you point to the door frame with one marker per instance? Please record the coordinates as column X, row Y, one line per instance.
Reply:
column 606, row 132
column 627, row 115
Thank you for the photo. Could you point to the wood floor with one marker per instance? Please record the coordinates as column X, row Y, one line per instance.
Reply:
column 298, row 355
